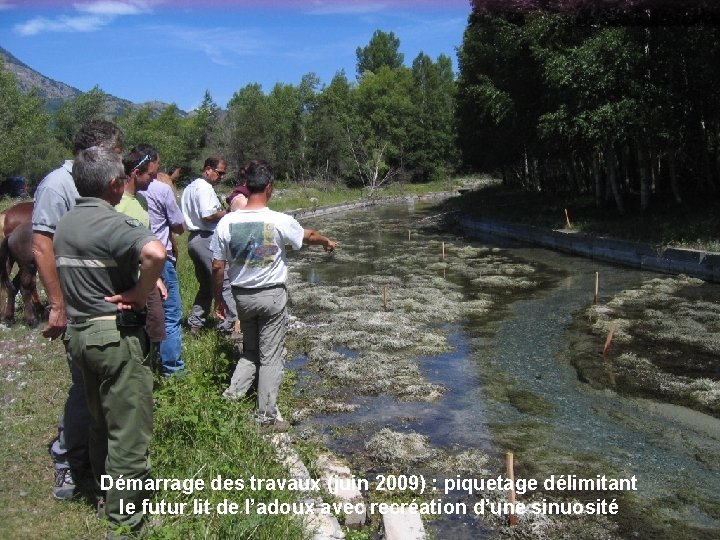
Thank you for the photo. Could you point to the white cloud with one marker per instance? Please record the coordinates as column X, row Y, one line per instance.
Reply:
column 220, row 45
column 335, row 8
column 4, row 6
column 112, row 8
column 90, row 17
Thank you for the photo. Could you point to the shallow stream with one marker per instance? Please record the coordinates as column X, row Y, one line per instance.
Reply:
column 475, row 347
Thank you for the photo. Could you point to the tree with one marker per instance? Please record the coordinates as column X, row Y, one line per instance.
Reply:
column 26, row 148
column 72, row 115
column 204, row 122
column 246, row 131
column 499, row 94
column 329, row 155
column 174, row 136
column 378, row 131
column 431, row 144
column 623, row 96
column 382, row 51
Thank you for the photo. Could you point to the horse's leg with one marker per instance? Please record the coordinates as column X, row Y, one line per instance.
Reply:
column 38, row 304
column 12, row 286
column 27, row 287
column 6, row 263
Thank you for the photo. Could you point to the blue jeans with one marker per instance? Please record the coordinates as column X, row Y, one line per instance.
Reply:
column 171, row 347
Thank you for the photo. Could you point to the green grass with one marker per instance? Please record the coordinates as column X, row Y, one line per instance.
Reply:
column 197, row 434
column 292, row 196
column 33, row 384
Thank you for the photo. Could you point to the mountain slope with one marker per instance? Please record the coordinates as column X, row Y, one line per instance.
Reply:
column 54, row 93
column 28, row 79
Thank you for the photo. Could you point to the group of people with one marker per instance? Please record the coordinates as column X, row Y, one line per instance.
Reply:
column 103, row 227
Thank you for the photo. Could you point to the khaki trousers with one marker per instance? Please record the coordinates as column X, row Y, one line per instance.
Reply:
column 115, row 364
column 263, row 319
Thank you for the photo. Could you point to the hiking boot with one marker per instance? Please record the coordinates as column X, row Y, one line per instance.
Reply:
column 65, row 488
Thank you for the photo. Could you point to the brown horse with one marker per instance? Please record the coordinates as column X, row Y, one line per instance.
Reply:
column 16, row 247
column 14, row 216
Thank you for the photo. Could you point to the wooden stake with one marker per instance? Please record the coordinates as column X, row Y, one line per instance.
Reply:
column 385, row 290
column 408, row 235
column 613, row 326
column 509, row 461
column 597, row 286
column 567, row 218
column 443, row 251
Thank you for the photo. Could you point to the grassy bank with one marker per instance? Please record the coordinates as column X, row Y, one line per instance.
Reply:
column 197, row 434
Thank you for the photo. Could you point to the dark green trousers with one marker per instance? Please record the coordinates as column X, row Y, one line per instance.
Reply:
column 115, row 363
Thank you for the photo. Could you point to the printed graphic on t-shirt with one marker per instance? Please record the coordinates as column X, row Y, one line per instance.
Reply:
column 253, row 244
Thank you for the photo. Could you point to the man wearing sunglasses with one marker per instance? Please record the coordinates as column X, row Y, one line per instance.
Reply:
column 141, row 166
column 202, row 209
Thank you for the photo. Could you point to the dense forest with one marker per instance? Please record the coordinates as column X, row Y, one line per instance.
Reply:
column 614, row 99
column 618, row 99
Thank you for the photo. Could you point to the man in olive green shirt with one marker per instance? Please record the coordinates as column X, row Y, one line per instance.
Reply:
column 97, row 252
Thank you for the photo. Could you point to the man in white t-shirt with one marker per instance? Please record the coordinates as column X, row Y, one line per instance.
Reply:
column 252, row 240
column 202, row 210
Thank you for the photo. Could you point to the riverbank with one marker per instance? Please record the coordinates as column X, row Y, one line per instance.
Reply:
column 694, row 224
column 200, row 435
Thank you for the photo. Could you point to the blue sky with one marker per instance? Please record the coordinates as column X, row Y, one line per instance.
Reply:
column 173, row 50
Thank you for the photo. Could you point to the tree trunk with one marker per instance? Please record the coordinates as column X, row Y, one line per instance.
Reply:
column 706, row 178
column 625, row 166
column 644, row 181
column 611, row 176
column 672, row 171
column 598, row 180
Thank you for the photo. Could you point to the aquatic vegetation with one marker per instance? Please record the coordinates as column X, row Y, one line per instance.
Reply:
column 503, row 282
column 469, row 462
column 668, row 334
column 399, row 449
column 527, row 402
column 603, row 324
column 702, row 393
column 321, row 405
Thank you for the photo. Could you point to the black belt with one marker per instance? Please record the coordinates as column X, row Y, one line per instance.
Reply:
column 122, row 318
